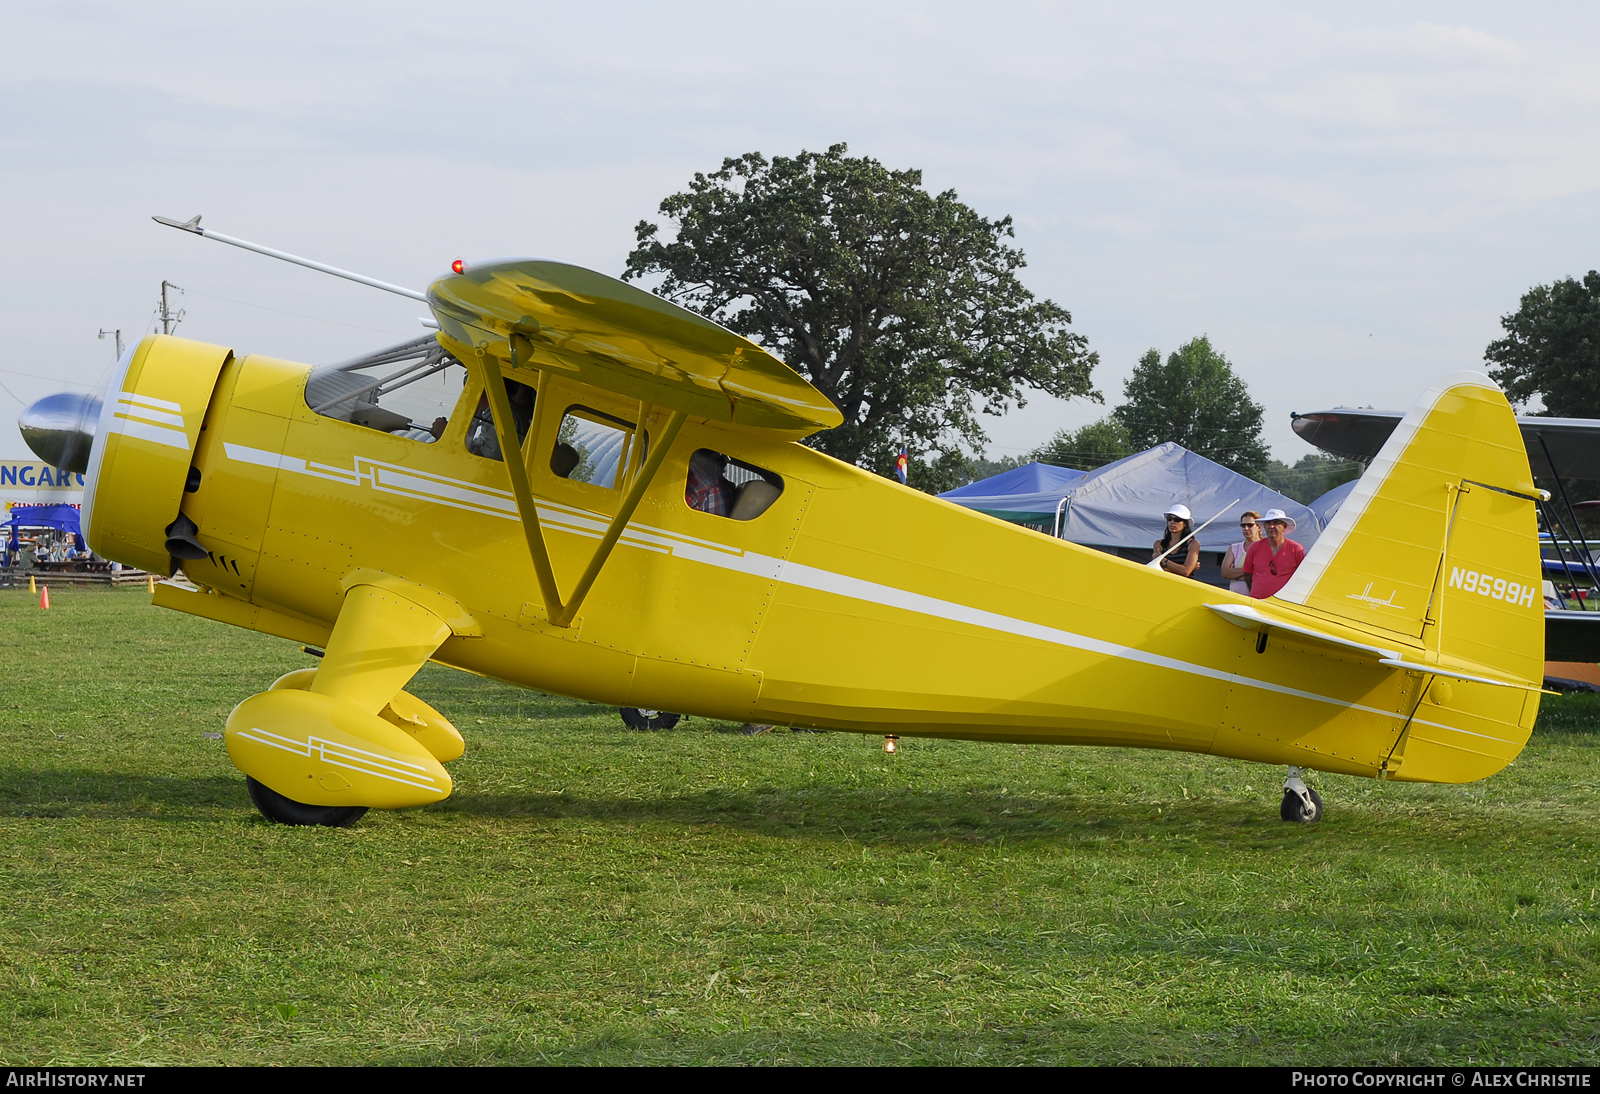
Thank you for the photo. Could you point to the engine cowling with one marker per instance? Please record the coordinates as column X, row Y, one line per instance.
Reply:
column 143, row 448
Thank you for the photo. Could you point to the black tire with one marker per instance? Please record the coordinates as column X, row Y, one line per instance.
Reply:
column 281, row 810
column 635, row 718
column 1294, row 807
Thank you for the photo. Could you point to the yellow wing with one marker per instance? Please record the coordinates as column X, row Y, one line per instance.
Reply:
column 542, row 314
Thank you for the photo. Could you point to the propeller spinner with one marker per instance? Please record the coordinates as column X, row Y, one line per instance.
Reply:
column 60, row 429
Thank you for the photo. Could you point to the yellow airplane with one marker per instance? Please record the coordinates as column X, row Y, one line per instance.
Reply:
column 659, row 538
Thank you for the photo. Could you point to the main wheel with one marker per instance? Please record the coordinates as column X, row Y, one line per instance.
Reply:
column 648, row 719
column 1294, row 807
column 281, row 810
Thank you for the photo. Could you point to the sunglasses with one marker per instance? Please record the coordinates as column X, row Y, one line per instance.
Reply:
column 1247, row 524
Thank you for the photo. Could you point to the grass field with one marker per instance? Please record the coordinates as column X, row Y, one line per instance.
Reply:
column 591, row 894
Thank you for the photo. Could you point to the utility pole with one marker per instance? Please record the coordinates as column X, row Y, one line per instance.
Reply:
column 169, row 319
column 118, row 333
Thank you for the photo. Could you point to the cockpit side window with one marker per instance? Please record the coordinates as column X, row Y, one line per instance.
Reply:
column 726, row 487
column 482, row 440
column 591, row 446
column 409, row 390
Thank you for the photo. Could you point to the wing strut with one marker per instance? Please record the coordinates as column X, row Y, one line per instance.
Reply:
column 559, row 614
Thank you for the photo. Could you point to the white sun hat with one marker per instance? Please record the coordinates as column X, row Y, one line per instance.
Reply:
column 1278, row 514
column 1179, row 511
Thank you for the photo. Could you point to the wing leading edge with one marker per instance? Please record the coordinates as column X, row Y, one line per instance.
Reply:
column 541, row 314
column 1568, row 447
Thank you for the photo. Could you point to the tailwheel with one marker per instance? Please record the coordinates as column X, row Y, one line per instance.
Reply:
column 281, row 810
column 635, row 718
column 1301, row 804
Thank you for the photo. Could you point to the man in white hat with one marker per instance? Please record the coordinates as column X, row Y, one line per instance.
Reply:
column 1272, row 560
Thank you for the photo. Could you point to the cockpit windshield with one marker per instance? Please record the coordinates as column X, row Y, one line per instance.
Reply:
column 408, row 390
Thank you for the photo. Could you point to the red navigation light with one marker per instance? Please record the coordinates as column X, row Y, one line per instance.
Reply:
column 458, row 266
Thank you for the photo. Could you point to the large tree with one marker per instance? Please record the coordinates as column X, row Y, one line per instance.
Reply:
column 1092, row 446
column 902, row 306
column 1195, row 398
column 1552, row 348
column 1312, row 476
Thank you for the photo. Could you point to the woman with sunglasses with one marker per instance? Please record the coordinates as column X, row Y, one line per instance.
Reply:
column 1186, row 559
column 1233, row 560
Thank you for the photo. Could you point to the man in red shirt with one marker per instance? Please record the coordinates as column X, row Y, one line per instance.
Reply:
column 1273, row 559
column 708, row 490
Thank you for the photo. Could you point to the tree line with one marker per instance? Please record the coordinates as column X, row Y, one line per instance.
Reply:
column 906, row 309
column 1195, row 398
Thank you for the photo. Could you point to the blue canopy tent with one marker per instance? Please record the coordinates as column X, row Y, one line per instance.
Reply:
column 63, row 518
column 1328, row 504
column 1120, row 505
column 1030, row 494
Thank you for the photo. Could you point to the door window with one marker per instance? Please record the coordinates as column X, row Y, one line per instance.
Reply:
column 591, row 447
column 481, row 438
column 725, row 487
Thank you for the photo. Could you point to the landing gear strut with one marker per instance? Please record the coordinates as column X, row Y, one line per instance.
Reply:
column 1300, row 803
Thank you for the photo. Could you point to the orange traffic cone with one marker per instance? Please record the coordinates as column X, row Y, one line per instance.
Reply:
column 44, row 598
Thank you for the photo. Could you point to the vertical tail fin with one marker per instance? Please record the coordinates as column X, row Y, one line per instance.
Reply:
column 1438, row 545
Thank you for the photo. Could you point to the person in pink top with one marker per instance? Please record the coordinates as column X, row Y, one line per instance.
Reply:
column 1233, row 560
column 1273, row 559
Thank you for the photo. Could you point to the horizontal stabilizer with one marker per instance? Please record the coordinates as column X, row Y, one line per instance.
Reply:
column 1455, row 674
column 1243, row 615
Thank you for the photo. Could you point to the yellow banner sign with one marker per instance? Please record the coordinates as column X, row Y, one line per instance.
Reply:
column 31, row 475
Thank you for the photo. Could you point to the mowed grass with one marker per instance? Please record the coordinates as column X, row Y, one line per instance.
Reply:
column 594, row 895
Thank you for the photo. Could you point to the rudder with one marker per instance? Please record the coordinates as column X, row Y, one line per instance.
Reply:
column 1438, row 545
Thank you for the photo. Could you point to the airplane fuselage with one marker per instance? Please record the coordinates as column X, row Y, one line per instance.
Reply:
column 851, row 603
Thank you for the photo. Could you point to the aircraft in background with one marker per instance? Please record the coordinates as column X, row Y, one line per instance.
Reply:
column 576, row 486
column 1558, row 449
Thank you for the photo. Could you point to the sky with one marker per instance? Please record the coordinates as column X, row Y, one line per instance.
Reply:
column 1345, row 198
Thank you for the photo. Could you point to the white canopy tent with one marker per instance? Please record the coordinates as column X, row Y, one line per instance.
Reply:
column 1121, row 505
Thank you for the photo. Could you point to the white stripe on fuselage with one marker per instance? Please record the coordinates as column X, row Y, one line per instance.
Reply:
column 390, row 478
